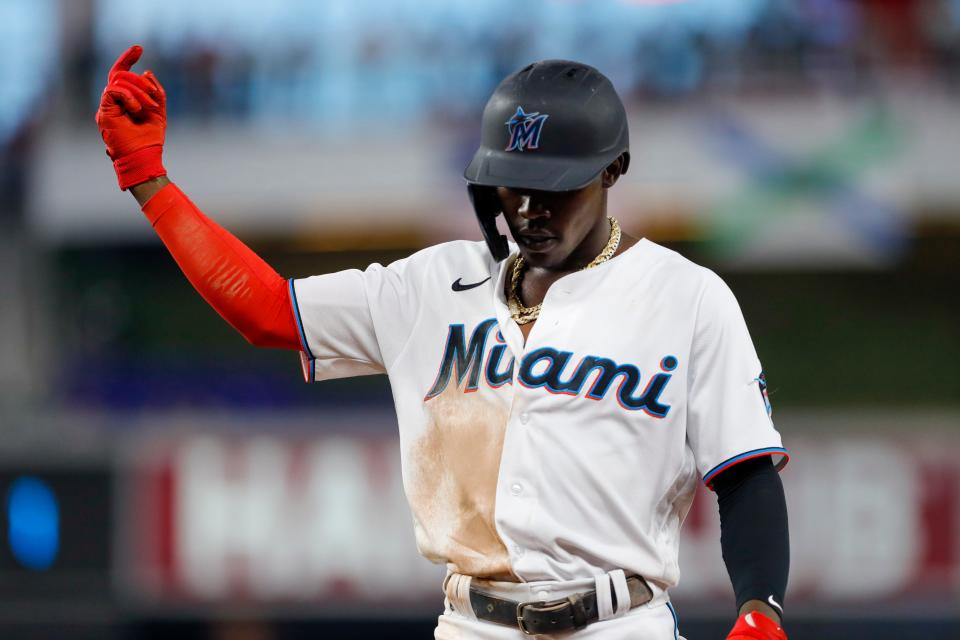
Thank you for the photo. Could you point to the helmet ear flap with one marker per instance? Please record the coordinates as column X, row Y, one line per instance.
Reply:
column 615, row 169
column 487, row 206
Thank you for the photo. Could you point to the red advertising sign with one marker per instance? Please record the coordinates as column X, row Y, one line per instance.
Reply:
column 872, row 520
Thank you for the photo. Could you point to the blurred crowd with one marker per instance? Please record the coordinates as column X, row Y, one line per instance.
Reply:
column 345, row 64
column 352, row 62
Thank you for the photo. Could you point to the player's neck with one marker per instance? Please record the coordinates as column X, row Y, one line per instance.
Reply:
column 537, row 282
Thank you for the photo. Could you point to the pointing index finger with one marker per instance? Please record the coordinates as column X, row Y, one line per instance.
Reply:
column 127, row 59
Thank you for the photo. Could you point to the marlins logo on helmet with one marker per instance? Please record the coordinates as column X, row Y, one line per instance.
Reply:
column 525, row 129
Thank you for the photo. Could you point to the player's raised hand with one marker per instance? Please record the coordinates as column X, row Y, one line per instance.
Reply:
column 132, row 119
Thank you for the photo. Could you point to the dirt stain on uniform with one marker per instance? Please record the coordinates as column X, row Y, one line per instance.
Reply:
column 453, row 486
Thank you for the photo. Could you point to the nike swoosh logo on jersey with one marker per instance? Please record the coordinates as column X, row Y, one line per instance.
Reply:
column 464, row 287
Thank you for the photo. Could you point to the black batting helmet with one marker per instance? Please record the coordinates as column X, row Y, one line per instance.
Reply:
column 554, row 125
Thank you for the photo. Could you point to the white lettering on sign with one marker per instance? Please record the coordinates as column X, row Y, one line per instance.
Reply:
column 279, row 522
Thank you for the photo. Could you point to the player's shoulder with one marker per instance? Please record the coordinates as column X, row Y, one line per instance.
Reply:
column 446, row 258
column 703, row 287
column 456, row 251
column 678, row 269
column 690, row 283
column 452, row 252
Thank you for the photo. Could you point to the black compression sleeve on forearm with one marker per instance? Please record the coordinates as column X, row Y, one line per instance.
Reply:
column 753, row 531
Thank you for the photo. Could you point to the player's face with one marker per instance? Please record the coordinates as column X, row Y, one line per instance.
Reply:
column 557, row 230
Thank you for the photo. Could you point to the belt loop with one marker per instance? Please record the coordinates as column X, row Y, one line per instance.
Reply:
column 458, row 592
column 619, row 580
column 451, row 590
column 604, row 598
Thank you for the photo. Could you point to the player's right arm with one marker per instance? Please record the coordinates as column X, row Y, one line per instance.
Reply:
column 234, row 280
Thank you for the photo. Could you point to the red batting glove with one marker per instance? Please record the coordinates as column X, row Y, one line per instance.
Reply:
column 133, row 121
column 756, row 626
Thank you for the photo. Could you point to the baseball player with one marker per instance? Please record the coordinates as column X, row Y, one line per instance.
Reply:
column 559, row 397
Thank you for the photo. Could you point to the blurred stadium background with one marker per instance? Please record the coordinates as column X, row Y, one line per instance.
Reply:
column 160, row 478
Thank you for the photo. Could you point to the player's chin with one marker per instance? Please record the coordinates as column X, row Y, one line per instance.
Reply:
column 541, row 252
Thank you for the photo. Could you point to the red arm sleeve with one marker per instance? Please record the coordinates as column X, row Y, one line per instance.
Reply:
column 234, row 280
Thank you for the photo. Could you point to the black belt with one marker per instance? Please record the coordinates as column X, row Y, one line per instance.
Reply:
column 573, row 612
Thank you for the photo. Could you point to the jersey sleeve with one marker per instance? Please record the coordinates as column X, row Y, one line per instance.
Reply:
column 353, row 322
column 729, row 419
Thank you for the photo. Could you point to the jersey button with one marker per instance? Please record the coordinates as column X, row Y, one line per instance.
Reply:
column 517, row 550
column 516, row 488
column 524, row 418
column 543, row 595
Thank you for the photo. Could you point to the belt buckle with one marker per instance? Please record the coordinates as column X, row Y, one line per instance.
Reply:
column 520, row 622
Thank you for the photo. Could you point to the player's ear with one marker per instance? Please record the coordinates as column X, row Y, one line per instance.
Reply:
column 616, row 169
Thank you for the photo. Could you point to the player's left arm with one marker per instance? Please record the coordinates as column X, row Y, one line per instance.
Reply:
column 731, row 433
column 755, row 542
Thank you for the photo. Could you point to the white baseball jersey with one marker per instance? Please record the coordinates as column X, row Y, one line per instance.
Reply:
column 569, row 455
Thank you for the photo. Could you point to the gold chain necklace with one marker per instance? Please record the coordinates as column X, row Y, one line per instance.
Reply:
column 525, row 315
